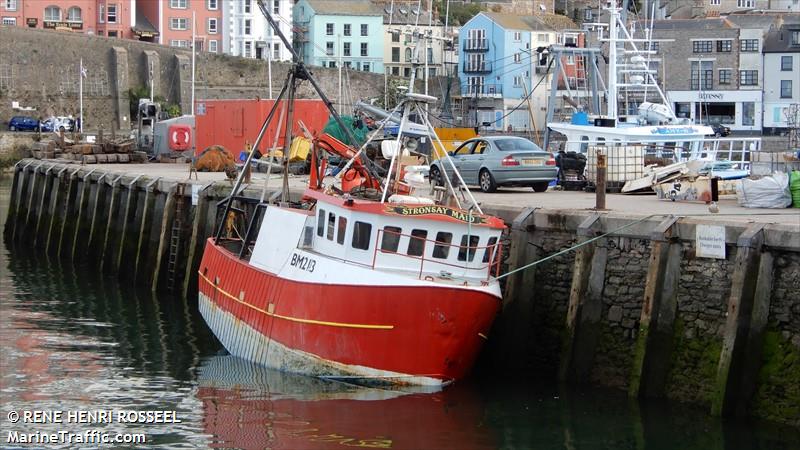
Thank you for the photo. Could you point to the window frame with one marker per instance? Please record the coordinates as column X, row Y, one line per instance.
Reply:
column 215, row 44
column 11, row 5
column 727, row 79
column 347, row 29
column 329, row 48
column 346, row 49
column 80, row 14
column 215, row 28
column 745, row 75
column 176, row 4
column 111, row 10
column 359, row 241
column 468, row 249
column 725, row 46
column 50, row 9
column 702, row 46
column 787, row 67
column 786, row 89
column 177, row 20
column 364, row 29
column 390, row 238
column 321, row 216
column 441, row 247
column 212, row 8
column 364, row 49
column 745, row 45
column 330, row 29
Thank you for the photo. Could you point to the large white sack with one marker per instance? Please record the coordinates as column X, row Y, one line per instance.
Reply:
column 768, row 192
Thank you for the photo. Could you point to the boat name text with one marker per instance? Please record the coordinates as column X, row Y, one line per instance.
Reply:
column 438, row 210
column 679, row 130
column 303, row 262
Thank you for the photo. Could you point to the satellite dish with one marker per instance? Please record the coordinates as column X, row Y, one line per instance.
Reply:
column 403, row 10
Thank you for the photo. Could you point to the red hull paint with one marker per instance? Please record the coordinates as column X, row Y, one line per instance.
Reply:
column 428, row 331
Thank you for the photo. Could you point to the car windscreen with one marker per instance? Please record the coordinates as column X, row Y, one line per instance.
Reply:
column 516, row 145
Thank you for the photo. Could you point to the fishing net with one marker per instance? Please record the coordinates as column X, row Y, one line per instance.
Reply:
column 357, row 127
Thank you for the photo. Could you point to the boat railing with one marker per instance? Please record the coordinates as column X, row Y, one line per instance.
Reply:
column 491, row 256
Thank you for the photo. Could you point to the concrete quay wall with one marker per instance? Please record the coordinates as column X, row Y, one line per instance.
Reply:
column 634, row 307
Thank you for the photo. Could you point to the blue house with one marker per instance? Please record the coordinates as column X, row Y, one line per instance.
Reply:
column 499, row 65
column 347, row 32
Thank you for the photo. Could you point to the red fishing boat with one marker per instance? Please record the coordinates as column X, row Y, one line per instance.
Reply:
column 373, row 276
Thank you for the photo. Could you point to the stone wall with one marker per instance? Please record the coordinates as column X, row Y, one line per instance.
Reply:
column 39, row 69
column 699, row 337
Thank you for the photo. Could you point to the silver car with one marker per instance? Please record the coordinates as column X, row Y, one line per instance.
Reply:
column 495, row 161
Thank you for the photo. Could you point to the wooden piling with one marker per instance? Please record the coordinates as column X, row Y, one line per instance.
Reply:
column 197, row 240
column 60, row 188
column 748, row 309
column 82, row 217
column 30, row 211
column 99, row 217
column 585, row 306
column 656, row 325
column 130, row 227
column 164, row 236
column 8, row 231
column 23, row 197
column 143, row 241
column 67, row 232
column 44, row 212
column 108, row 249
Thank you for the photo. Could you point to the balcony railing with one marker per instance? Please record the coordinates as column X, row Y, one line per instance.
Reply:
column 482, row 90
column 477, row 67
column 476, row 45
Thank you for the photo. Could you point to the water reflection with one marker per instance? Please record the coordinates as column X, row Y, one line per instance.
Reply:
column 246, row 406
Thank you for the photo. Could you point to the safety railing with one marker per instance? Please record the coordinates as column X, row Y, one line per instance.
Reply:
column 491, row 255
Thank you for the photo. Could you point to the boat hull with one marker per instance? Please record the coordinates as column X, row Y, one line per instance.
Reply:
column 422, row 335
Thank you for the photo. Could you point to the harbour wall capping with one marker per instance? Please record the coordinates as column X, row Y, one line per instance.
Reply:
column 637, row 310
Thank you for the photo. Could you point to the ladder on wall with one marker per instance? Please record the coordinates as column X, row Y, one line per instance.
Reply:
column 175, row 236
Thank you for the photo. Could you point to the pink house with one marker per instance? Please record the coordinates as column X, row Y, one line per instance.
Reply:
column 112, row 18
column 173, row 19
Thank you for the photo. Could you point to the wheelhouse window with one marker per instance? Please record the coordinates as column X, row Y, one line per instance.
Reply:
column 490, row 249
column 469, row 244
column 361, row 235
column 341, row 231
column 331, row 225
column 442, row 247
column 320, row 222
column 390, row 240
column 74, row 14
column 52, row 14
column 416, row 245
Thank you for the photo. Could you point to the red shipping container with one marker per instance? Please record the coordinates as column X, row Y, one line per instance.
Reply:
column 235, row 123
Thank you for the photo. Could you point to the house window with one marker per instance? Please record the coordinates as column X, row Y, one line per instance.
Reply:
column 212, row 26
column 178, row 4
column 466, row 252
column 331, row 225
column 9, row 20
column 248, row 49
column 365, row 67
column 361, row 235
column 247, row 6
column 395, row 36
column 396, row 71
column 749, row 45
column 408, row 55
column 363, row 49
column 113, row 34
column 442, row 247
column 321, row 222
column 431, row 72
column 329, row 29
column 112, row 13
column 276, row 9
column 786, row 88
column 341, row 230
column 714, row 2
column 332, row 64
column 74, row 14
column 795, row 37
column 247, row 26
column 517, row 81
column 177, row 23
column 276, row 51
column 346, row 49
column 517, row 36
column 725, row 76
column 786, row 63
column 701, row 46
column 724, row 46
column 745, row 3
column 212, row 46
column 748, row 77
column 430, row 55
column 11, row 5
column 395, row 54
column 329, row 48
column 652, row 46
column 347, row 28
column 702, row 75
column 416, row 244
column 364, row 29
column 101, row 13
column 173, row 43
column 212, row 5
column 52, row 14
column 748, row 114
column 587, row 14
column 543, row 37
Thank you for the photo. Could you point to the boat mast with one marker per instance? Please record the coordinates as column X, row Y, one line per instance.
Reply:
column 613, row 12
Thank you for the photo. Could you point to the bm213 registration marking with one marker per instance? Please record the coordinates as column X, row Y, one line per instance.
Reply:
column 435, row 210
column 303, row 262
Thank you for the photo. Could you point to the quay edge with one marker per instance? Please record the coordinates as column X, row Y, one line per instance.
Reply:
column 637, row 310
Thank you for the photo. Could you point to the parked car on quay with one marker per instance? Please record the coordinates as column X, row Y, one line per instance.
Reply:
column 720, row 130
column 23, row 123
column 493, row 161
column 58, row 124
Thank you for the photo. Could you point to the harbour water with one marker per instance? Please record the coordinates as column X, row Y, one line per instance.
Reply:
column 71, row 340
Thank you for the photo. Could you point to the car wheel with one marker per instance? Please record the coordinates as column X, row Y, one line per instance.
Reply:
column 717, row 134
column 12, row 128
column 486, row 181
column 436, row 176
column 540, row 187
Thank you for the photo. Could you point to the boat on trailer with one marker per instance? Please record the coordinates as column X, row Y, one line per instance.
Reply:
column 372, row 278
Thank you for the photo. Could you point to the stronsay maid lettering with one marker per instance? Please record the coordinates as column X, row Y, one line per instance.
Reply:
column 436, row 210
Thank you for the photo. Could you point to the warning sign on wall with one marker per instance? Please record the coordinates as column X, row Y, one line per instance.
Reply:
column 710, row 241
